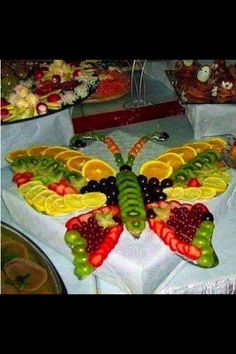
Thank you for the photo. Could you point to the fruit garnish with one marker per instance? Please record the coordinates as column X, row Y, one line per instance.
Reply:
column 192, row 193
column 33, row 191
column 199, row 146
column 54, row 150
column 215, row 182
column 97, row 169
column 105, row 219
column 207, row 192
column 186, row 152
column 36, row 150
column 38, row 75
column 217, row 144
column 53, row 98
column 194, row 182
column 38, row 202
column 26, row 187
column 156, row 169
column 55, row 206
column 172, row 159
column 12, row 155
column 162, row 213
column 5, row 113
column 174, row 192
column 66, row 155
column 94, row 200
column 77, row 163
column 74, row 201
column 41, row 108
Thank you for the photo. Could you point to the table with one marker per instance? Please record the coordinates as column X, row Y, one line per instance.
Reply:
column 217, row 280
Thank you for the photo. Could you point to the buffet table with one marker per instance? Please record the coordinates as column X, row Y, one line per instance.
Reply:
column 186, row 278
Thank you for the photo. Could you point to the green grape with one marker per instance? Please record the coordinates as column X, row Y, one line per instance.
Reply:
column 206, row 261
column 73, row 238
column 207, row 251
column 208, row 225
column 83, row 271
column 80, row 260
column 201, row 242
column 78, row 249
column 203, row 232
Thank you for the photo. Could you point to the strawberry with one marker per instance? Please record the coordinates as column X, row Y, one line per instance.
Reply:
column 64, row 182
column 69, row 190
column 103, row 251
column 27, row 174
column 53, row 98
column 169, row 237
column 109, row 241
column 164, row 231
column 60, row 188
column 95, row 259
column 186, row 247
column 52, row 186
column 151, row 223
column 158, row 226
column 16, row 176
column 173, row 243
column 21, row 180
column 193, row 252
column 180, row 247
column 194, row 182
column 73, row 224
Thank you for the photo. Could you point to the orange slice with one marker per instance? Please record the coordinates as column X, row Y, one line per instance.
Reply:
column 200, row 146
column 97, row 169
column 54, row 150
column 77, row 163
column 12, row 155
column 156, row 169
column 36, row 150
column 66, row 155
column 186, row 152
column 217, row 143
column 172, row 159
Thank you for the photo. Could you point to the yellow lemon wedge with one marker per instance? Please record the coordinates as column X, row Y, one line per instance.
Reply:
column 33, row 191
column 192, row 193
column 217, row 143
column 38, row 202
column 55, row 206
column 207, row 192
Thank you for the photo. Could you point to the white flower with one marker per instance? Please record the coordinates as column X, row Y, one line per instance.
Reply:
column 68, row 98
column 214, row 66
column 226, row 85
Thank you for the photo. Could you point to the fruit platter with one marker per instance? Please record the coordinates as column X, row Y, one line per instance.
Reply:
column 29, row 93
column 100, row 205
column 196, row 83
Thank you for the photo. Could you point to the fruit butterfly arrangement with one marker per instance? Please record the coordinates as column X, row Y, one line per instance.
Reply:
column 59, row 180
column 131, row 201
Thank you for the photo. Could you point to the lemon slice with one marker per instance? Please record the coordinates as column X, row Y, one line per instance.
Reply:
column 55, row 205
column 94, row 200
column 33, row 191
column 215, row 182
column 38, row 201
column 192, row 193
column 172, row 159
column 12, row 155
column 74, row 201
column 223, row 175
column 174, row 192
column 26, row 186
column 208, row 192
column 156, row 169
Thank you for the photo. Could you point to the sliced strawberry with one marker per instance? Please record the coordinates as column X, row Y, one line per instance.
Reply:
column 151, row 222
column 186, row 247
column 21, row 180
column 162, row 204
column 169, row 237
column 60, row 189
column 175, row 204
column 193, row 252
column 173, row 243
column 69, row 190
column 158, row 226
column 16, row 176
column 64, row 182
column 164, row 231
column 73, row 224
column 180, row 247
column 109, row 242
column 27, row 174
column 103, row 252
column 96, row 259
column 111, row 208
column 52, row 186
column 117, row 229
column 194, row 182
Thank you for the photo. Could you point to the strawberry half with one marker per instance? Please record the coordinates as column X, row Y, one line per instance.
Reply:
column 96, row 259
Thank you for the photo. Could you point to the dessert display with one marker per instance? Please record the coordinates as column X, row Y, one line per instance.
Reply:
column 195, row 83
column 45, row 88
column 101, row 202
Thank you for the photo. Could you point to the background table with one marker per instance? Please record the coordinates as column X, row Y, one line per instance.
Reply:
column 190, row 279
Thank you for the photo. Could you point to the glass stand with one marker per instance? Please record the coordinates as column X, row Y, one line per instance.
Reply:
column 138, row 89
